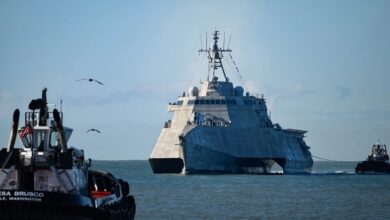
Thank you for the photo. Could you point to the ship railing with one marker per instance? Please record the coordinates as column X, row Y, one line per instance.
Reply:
column 32, row 118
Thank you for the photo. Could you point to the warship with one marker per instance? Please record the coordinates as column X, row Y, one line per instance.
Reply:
column 47, row 179
column 377, row 161
column 219, row 129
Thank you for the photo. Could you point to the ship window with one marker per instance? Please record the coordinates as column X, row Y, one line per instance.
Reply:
column 54, row 139
column 190, row 102
column 207, row 102
column 179, row 102
column 201, row 102
column 223, row 102
column 26, row 139
column 41, row 139
column 196, row 102
column 212, row 102
column 217, row 101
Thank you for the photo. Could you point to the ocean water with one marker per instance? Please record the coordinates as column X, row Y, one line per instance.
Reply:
column 332, row 191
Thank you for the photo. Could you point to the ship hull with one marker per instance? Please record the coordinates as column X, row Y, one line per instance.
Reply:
column 166, row 165
column 50, row 205
column 372, row 167
column 205, row 161
column 230, row 150
column 298, row 167
column 201, row 159
column 208, row 149
column 221, row 164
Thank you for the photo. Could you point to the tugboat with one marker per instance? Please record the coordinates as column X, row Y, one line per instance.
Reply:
column 220, row 129
column 46, row 179
column 377, row 161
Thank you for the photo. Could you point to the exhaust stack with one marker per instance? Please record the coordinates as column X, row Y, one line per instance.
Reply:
column 60, row 130
column 43, row 111
column 14, row 130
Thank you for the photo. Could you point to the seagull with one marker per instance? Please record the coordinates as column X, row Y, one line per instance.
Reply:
column 91, row 80
column 93, row 129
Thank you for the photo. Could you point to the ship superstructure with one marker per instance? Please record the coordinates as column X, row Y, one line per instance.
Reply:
column 219, row 129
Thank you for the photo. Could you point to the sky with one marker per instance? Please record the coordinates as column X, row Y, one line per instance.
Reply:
column 323, row 66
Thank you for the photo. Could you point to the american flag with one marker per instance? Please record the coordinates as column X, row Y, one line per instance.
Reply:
column 26, row 131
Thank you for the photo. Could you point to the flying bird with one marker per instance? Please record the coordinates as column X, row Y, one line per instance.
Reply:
column 91, row 80
column 93, row 129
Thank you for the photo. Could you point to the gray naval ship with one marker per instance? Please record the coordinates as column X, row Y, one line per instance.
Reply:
column 218, row 129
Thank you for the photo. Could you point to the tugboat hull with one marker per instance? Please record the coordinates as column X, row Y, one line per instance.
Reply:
column 50, row 205
column 372, row 167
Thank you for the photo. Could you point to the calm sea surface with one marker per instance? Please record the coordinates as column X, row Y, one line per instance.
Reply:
column 332, row 191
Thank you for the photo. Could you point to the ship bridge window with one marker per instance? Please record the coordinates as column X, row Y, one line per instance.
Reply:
column 54, row 139
column 190, row 102
column 180, row 102
column 41, row 139
column 26, row 137
column 212, row 102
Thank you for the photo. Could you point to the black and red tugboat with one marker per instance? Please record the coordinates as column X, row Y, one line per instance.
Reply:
column 377, row 161
column 46, row 179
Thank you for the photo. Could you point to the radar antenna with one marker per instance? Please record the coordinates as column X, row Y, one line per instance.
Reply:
column 215, row 55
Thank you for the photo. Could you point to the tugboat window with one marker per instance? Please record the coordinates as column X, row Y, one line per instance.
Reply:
column 212, row 102
column 201, row 102
column 196, row 102
column 207, row 102
column 53, row 139
column 40, row 140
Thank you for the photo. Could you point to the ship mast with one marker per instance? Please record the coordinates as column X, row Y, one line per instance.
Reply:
column 215, row 57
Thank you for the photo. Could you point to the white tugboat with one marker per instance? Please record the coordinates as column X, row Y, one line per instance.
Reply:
column 46, row 179
column 218, row 129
